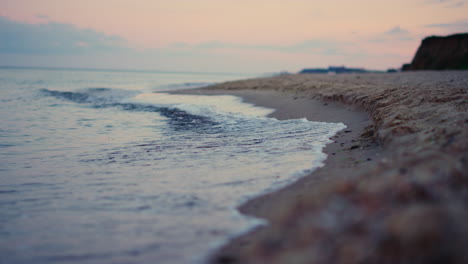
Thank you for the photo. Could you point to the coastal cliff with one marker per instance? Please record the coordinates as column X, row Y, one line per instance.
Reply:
column 441, row 53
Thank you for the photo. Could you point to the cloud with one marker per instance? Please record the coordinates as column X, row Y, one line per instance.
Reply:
column 461, row 24
column 52, row 44
column 456, row 5
column 41, row 16
column 448, row 3
column 397, row 31
column 312, row 46
column 437, row 1
column 54, row 38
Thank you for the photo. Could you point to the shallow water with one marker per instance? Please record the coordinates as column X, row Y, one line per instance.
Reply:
column 98, row 168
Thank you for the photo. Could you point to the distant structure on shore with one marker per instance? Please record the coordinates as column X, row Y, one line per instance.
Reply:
column 441, row 53
column 334, row 70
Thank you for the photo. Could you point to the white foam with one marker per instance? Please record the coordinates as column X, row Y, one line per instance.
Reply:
column 200, row 104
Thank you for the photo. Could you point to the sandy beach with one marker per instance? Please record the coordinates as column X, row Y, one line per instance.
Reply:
column 394, row 185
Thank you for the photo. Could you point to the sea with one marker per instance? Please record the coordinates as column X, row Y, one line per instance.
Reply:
column 108, row 167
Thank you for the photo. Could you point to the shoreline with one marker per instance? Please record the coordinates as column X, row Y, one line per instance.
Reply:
column 348, row 150
column 399, row 200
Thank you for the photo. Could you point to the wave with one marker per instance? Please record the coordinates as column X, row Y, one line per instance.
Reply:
column 183, row 86
column 96, row 96
column 105, row 98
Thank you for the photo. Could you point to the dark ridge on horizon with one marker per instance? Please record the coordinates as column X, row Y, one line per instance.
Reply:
column 338, row 70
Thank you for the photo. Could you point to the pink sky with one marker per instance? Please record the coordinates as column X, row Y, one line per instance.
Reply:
column 237, row 35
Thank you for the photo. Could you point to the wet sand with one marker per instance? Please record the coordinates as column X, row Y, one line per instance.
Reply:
column 394, row 188
column 348, row 151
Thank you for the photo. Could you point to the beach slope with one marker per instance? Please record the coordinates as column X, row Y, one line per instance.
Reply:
column 395, row 186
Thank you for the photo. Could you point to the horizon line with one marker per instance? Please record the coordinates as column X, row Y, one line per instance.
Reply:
column 121, row 70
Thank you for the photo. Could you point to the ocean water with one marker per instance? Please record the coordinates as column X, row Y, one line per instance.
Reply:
column 104, row 167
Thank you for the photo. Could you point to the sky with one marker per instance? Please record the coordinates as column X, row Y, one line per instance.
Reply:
column 254, row 36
